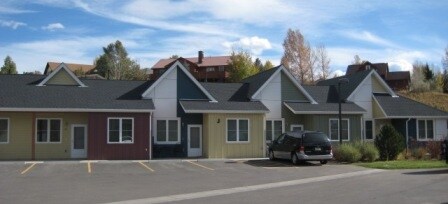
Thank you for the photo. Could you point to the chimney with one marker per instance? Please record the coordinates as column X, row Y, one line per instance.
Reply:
column 200, row 56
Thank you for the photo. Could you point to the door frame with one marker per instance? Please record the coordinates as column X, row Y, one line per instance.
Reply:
column 73, row 140
column 200, row 139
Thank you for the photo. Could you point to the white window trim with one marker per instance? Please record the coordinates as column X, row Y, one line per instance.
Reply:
column 365, row 129
column 120, row 136
column 272, row 126
column 292, row 126
column 238, row 131
column 48, row 131
column 426, row 130
column 166, row 131
column 7, row 131
column 348, row 128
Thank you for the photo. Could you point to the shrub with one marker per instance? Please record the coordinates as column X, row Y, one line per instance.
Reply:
column 404, row 155
column 434, row 148
column 347, row 153
column 419, row 153
column 368, row 151
column 389, row 143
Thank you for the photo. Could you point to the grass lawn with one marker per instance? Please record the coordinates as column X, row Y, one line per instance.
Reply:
column 405, row 164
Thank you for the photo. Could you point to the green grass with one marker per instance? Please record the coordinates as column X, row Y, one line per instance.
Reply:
column 405, row 164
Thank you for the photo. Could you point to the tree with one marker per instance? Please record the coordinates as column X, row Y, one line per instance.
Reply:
column 259, row 65
column 9, row 67
column 268, row 65
column 241, row 66
column 389, row 143
column 357, row 60
column 323, row 62
column 33, row 73
column 114, row 63
column 298, row 57
column 445, row 71
column 174, row 57
column 418, row 82
column 428, row 73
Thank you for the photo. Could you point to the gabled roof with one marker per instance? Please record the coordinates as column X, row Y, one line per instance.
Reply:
column 402, row 107
column 258, row 81
column 62, row 68
column 174, row 66
column 231, row 98
column 381, row 68
column 206, row 61
column 51, row 66
column 355, row 80
column 20, row 93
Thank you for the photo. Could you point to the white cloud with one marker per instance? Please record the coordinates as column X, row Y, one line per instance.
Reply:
column 367, row 36
column 12, row 10
column 12, row 24
column 255, row 44
column 53, row 27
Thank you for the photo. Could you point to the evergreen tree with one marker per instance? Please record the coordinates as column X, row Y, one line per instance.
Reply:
column 9, row 67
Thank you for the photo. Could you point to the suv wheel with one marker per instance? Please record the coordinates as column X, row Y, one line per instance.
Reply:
column 295, row 160
column 271, row 155
column 323, row 162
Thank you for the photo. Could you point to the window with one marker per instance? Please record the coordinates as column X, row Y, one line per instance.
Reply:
column 274, row 128
column 210, row 69
column 120, row 130
column 296, row 127
column 4, row 130
column 48, row 130
column 167, row 131
column 334, row 129
column 368, row 128
column 221, row 68
column 425, row 129
column 237, row 130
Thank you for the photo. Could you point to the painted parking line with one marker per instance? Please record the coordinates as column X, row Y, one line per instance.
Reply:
column 89, row 165
column 145, row 166
column 194, row 163
column 29, row 167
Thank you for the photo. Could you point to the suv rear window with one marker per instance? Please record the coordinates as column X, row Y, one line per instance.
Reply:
column 315, row 138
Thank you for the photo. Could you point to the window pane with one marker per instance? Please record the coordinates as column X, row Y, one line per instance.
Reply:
column 161, row 130
column 126, row 124
column 55, row 130
column 278, row 128
column 345, row 129
column 126, row 130
column 42, row 130
column 269, row 135
column 430, row 129
column 369, row 132
column 243, row 130
column 3, row 130
column 231, row 130
column 114, row 136
column 172, row 130
column 421, row 129
column 3, row 125
column 334, row 130
column 114, row 124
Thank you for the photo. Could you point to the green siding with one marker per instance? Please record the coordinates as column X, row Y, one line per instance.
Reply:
column 289, row 91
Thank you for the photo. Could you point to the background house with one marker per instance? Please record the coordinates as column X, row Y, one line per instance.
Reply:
column 80, row 70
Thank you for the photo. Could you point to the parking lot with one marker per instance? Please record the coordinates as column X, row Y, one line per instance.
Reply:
column 110, row 181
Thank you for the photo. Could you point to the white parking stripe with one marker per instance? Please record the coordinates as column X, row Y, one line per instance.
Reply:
column 204, row 194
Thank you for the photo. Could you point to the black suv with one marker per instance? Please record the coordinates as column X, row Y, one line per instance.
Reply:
column 302, row 146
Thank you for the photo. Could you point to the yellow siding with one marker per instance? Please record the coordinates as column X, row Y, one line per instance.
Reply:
column 376, row 110
column 60, row 150
column 62, row 78
column 215, row 145
column 377, row 87
column 19, row 146
column 380, row 123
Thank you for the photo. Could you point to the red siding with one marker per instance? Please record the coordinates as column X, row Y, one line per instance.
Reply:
column 97, row 138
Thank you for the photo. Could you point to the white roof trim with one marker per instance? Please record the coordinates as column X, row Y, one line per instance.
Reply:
column 414, row 117
column 294, row 81
column 76, row 110
column 169, row 70
column 322, row 112
column 222, row 111
column 382, row 82
column 58, row 69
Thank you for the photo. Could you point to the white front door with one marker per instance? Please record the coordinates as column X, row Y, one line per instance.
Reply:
column 194, row 140
column 79, row 141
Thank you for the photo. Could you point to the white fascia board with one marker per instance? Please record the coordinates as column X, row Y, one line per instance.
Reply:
column 58, row 69
column 226, row 111
column 76, row 110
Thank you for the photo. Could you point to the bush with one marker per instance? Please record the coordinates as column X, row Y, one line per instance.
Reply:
column 389, row 143
column 368, row 151
column 419, row 153
column 434, row 148
column 347, row 153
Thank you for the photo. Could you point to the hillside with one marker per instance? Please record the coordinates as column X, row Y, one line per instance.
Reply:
column 434, row 99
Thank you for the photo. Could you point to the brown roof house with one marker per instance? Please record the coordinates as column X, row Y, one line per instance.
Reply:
column 204, row 69
column 398, row 80
column 80, row 70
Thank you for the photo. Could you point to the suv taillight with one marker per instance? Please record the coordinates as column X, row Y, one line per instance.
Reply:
column 301, row 149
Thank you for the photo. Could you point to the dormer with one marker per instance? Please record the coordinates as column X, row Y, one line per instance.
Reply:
column 61, row 76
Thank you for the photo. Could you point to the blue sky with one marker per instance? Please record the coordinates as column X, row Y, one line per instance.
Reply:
column 398, row 32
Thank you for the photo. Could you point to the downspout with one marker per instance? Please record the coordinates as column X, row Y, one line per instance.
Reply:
column 150, row 135
column 407, row 136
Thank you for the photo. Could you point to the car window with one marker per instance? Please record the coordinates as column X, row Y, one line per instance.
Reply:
column 315, row 138
column 281, row 138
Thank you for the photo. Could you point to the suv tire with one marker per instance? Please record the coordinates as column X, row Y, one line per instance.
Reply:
column 294, row 159
column 271, row 155
column 323, row 162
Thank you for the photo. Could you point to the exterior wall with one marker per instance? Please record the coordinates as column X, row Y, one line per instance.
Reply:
column 441, row 129
column 271, row 97
column 291, row 118
column 62, row 78
column 376, row 110
column 289, row 91
column 377, row 87
column 214, row 137
column 363, row 97
column 20, row 136
column 98, row 148
column 322, row 123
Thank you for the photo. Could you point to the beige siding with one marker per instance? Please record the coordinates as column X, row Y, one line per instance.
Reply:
column 377, row 87
column 215, row 145
column 62, row 78
column 20, row 136
column 376, row 109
